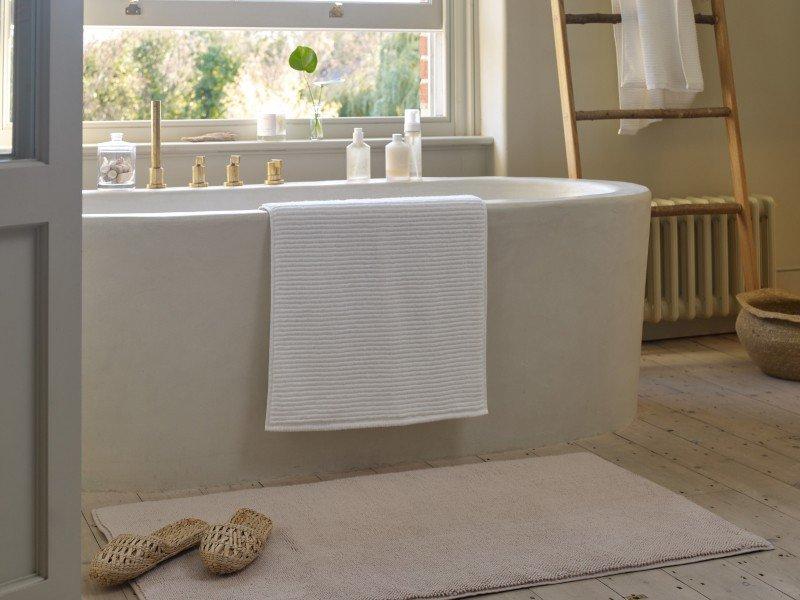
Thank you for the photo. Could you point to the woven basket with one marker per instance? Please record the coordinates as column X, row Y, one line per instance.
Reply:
column 769, row 328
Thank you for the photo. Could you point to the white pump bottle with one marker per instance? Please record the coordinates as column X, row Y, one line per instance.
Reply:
column 413, row 137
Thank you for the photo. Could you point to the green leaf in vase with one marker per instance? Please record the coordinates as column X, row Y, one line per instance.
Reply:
column 303, row 59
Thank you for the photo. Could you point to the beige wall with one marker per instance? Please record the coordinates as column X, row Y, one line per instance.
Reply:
column 520, row 108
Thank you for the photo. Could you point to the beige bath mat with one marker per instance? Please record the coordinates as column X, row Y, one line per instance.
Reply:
column 441, row 533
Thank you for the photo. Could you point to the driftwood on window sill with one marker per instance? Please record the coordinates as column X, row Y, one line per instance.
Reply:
column 220, row 136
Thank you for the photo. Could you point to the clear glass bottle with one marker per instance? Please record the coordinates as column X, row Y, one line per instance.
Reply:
column 358, row 158
column 413, row 137
column 116, row 164
column 398, row 159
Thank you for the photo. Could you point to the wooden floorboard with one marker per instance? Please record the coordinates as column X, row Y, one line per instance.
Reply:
column 724, row 580
column 710, row 426
column 781, row 462
column 657, row 582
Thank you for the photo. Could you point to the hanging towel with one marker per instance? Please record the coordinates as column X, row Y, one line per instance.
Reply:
column 378, row 312
column 658, row 62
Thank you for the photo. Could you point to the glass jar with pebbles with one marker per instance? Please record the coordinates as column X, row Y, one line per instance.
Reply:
column 116, row 164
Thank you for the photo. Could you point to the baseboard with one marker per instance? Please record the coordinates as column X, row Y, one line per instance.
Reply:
column 695, row 327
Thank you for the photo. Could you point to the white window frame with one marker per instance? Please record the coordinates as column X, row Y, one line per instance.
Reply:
column 456, row 74
column 6, row 68
column 267, row 14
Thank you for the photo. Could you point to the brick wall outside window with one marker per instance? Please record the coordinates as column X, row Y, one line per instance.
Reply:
column 424, row 84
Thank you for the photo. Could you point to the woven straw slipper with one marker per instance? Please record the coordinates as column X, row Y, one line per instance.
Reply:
column 231, row 546
column 127, row 556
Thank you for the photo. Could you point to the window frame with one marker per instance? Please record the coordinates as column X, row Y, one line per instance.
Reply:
column 6, row 68
column 268, row 14
column 455, row 71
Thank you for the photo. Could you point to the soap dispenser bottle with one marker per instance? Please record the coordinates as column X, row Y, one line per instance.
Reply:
column 358, row 158
column 398, row 159
column 413, row 137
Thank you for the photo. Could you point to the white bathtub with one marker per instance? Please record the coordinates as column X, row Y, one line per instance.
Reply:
column 176, row 330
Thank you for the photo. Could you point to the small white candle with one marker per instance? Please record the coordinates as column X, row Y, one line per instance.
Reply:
column 271, row 125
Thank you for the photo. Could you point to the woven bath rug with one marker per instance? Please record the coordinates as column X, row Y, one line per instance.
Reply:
column 441, row 533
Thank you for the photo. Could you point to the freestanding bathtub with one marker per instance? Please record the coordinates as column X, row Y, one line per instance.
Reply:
column 175, row 322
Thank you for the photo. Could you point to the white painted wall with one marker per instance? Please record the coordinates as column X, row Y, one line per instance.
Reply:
column 521, row 109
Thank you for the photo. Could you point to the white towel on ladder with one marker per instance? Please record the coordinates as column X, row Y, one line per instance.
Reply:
column 658, row 62
column 378, row 312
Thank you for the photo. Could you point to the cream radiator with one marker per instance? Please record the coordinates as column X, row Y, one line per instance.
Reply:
column 693, row 269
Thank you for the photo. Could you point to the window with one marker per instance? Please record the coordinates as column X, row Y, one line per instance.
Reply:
column 6, row 68
column 216, row 63
column 20, row 76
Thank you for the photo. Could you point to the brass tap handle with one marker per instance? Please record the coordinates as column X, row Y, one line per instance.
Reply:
column 156, row 169
column 274, row 172
column 199, row 173
column 232, row 172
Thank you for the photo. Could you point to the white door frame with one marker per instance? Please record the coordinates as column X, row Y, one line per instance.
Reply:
column 40, row 317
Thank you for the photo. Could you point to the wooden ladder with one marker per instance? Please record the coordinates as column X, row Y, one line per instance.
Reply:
column 729, row 112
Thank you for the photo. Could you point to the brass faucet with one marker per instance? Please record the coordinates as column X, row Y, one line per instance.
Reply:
column 274, row 171
column 232, row 172
column 199, row 173
column 156, row 169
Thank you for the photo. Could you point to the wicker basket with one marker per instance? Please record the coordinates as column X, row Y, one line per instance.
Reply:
column 769, row 328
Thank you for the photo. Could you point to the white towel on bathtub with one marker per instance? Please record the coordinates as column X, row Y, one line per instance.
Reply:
column 658, row 61
column 378, row 312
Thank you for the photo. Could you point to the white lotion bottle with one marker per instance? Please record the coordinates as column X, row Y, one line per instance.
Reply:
column 358, row 158
column 398, row 159
column 413, row 137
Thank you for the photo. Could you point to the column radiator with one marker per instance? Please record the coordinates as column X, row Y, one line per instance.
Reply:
column 693, row 269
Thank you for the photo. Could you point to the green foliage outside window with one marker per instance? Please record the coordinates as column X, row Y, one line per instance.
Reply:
column 217, row 68
column 231, row 74
column 396, row 87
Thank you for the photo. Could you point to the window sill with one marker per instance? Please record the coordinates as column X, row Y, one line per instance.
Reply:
column 453, row 156
column 285, row 147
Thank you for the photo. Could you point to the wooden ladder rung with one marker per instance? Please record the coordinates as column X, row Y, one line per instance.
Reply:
column 590, row 18
column 684, row 210
column 652, row 113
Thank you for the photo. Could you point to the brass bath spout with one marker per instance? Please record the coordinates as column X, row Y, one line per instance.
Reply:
column 156, row 169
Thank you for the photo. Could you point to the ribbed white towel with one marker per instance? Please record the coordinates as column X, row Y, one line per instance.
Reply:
column 658, row 62
column 378, row 312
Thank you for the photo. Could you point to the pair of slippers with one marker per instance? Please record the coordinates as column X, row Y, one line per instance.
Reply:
column 224, row 548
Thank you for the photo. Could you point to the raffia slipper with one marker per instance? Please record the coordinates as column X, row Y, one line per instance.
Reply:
column 127, row 556
column 230, row 547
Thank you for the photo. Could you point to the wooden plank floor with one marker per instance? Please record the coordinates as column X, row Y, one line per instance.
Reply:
column 710, row 427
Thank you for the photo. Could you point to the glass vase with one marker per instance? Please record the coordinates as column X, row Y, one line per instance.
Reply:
column 316, row 125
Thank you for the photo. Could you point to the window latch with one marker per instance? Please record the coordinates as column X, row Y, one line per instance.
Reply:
column 336, row 11
column 133, row 9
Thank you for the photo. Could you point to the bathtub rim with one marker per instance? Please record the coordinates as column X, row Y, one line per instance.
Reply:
column 131, row 203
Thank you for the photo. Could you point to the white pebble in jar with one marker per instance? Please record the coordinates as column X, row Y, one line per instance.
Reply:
column 116, row 164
